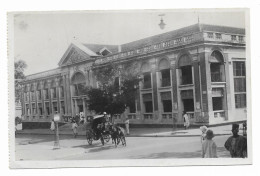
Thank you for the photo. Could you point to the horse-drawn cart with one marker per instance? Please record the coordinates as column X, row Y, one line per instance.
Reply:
column 97, row 128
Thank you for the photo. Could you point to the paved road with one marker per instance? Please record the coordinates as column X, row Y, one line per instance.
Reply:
column 40, row 147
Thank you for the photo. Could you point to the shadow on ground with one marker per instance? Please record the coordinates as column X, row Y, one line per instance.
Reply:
column 221, row 152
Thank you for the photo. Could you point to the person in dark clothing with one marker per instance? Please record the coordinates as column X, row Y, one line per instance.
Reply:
column 236, row 144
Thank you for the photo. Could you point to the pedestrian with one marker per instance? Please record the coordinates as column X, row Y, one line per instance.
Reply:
column 52, row 125
column 236, row 144
column 203, row 135
column 186, row 120
column 209, row 147
column 74, row 128
column 127, row 122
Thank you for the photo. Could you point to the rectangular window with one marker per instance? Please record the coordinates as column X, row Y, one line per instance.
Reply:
column 167, row 105
column 186, row 74
column 148, row 106
column 47, row 107
column 33, row 96
column 33, row 109
column 40, row 108
column 148, row 103
column 240, row 100
column 28, row 96
column 147, row 81
column 166, row 78
column 55, row 107
column 27, row 110
column 233, row 37
column 166, row 101
column 210, row 35
column 132, row 108
column 39, row 95
column 239, row 72
column 53, row 91
column 217, row 103
column 218, row 36
column 46, row 94
column 61, row 91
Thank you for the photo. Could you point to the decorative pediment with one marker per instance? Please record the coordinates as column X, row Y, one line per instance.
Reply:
column 76, row 53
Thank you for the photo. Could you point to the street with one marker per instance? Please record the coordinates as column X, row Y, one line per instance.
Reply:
column 40, row 147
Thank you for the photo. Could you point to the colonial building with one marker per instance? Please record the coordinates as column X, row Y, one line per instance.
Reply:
column 200, row 69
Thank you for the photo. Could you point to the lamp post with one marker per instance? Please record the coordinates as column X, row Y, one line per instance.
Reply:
column 162, row 24
column 57, row 140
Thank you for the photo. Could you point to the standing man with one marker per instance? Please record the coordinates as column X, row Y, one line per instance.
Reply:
column 127, row 122
column 186, row 120
column 236, row 144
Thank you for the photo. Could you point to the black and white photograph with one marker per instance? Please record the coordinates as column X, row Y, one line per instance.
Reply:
column 129, row 88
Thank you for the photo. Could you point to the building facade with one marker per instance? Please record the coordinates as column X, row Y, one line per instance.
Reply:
column 200, row 69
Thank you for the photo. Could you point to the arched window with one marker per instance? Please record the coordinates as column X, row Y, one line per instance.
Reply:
column 39, row 92
column 147, row 80
column 165, row 73
column 217, row 67
column 53, row 90
column 46, row 90
column 185, row 67
column 79, row 82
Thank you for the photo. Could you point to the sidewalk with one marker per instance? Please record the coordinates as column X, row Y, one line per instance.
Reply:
column 140, row 132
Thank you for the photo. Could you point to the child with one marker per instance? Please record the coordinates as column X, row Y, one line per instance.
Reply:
column 209, row 147
column 74, row 128
column 203, row 135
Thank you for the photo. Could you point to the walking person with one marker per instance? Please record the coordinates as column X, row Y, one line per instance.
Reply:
column 209, row 147
column 53, row 127
column 186, row 120
column 203, row 135
column 127, row 122
column 236, row 144
column 74, row 128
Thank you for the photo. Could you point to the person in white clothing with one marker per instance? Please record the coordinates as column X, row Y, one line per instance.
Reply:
column 127, row 122
column 186, row 120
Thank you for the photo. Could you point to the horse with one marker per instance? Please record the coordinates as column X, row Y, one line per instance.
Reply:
column 117, row 134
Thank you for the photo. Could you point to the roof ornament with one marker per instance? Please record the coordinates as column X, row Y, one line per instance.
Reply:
column 162, row 24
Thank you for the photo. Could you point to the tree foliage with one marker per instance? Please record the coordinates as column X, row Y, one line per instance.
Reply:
column 108, row 97
column 19, row 67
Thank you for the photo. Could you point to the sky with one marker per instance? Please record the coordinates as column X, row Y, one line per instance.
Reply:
column 40, row 39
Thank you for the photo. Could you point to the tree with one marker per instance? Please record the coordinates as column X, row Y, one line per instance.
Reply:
column 108, row 97
column 19, row 67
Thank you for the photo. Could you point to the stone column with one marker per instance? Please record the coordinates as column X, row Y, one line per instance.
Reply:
column 50, row 102
column 35, row 96
column 174, row 87
column 42, row 98
column 57, row 89
column 154, row 86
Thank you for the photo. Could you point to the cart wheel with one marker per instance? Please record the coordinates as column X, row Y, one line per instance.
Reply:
column 107, row 138
column 89, row 141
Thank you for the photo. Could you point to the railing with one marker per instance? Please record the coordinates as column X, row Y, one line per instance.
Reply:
column 218, row 114
column 191, row 115
column 167, row 115
column 132, row 116
column 117, row 116
column 148, row 116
